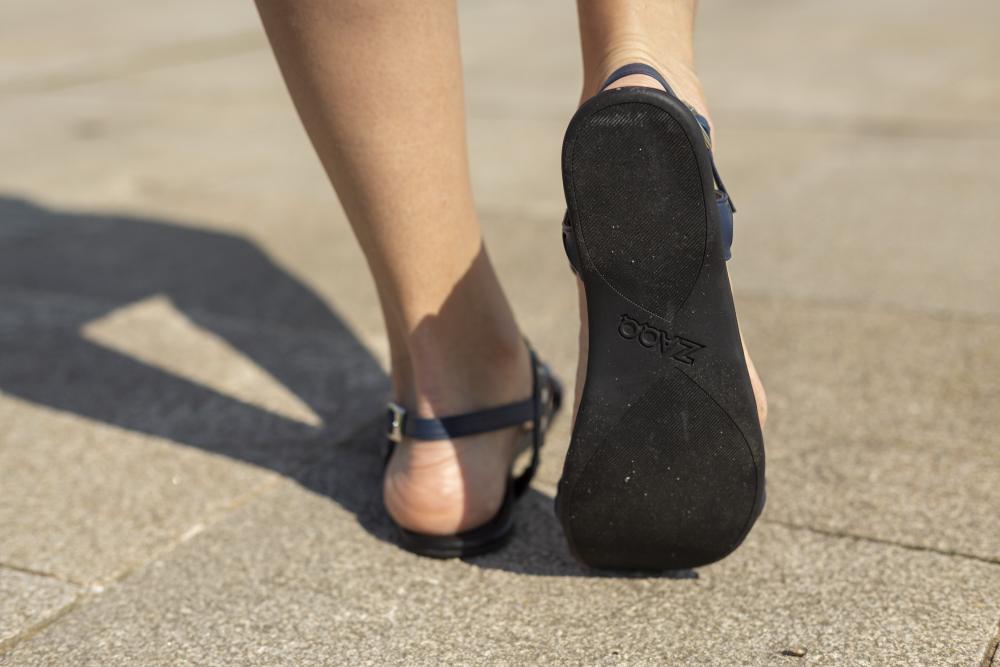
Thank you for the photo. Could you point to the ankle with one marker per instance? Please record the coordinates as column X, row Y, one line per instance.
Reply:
column 456, row 347
column 457, row 371
column 677, row 68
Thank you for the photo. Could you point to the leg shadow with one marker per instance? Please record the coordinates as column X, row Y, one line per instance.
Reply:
column 60, row 270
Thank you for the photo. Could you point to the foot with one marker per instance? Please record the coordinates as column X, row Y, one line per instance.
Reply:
column 687, row 87
column 442, row 487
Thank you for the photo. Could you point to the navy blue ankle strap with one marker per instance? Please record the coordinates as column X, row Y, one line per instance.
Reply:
column 534, row 414
column 529, row 412
column 402, row 424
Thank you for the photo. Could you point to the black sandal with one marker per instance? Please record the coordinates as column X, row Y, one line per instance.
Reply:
column 666, row 465
column 535, row 413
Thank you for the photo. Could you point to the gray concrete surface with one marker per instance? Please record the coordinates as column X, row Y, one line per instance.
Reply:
column 192, row 358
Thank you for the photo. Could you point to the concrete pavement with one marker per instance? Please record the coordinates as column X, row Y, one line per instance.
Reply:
column 192, row 362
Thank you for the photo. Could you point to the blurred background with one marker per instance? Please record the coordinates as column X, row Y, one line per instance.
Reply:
column 192, row 358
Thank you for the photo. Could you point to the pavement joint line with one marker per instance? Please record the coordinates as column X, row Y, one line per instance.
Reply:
column 162, row 57
column 195, row 529
column 100, row 587
column 992, row 651
column 8, row 644
column 41, row 573
column 877, row 540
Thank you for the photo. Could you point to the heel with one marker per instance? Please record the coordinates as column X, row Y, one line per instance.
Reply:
column 664, row 489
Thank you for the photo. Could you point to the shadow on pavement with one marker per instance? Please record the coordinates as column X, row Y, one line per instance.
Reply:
column 60, row 270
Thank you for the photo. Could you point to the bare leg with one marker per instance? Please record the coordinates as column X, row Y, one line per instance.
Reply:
column 378, row 86
column 618, row 32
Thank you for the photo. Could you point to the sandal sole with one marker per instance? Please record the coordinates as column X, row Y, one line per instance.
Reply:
column 665, row 469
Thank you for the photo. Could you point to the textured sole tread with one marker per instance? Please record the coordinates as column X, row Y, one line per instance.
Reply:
column 665, row 468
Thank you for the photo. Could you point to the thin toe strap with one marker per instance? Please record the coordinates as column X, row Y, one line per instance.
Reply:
column 652, row 72
column 723, row 201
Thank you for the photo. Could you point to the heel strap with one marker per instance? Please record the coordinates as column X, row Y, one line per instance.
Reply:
column 637, row 68
column 404, row 425
column 534, row 413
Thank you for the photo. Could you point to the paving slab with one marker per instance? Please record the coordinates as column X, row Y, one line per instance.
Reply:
column 88, row 502
column 306, row 577
column 29, row 601
column 111, row 451
column 882, row 422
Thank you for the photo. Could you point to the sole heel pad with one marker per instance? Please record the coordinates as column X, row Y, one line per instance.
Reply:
column 646, row 233
column 666, row 489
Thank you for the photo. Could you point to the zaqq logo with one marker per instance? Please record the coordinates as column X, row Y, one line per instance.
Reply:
column 679, row 348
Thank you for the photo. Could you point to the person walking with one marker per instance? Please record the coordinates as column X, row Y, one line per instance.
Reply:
column 666, row 464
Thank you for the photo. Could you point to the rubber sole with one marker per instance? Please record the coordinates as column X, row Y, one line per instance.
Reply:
column 665, row 469
column 484, row 539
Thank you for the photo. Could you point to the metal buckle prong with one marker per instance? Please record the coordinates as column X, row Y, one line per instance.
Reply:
column 397, row 413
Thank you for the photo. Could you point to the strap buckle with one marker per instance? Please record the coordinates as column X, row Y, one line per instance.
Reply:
column 397, row 414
